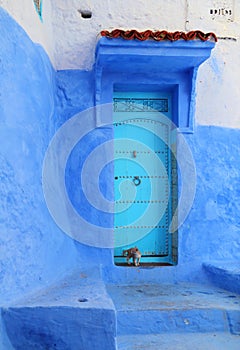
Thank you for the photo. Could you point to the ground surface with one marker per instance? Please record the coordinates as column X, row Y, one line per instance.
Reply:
column 173, row 317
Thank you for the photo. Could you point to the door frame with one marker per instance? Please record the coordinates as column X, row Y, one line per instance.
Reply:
column 171, row 257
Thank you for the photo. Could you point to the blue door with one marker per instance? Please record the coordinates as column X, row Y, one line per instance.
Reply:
column 142, row 175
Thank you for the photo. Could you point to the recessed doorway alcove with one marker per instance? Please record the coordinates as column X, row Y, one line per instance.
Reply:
column 151, row 85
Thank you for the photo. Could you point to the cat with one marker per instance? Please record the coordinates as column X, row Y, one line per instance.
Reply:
column 134, row 254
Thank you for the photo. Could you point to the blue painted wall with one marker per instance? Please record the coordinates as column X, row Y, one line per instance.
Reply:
column 33, row 250
column 212, row 228
column 211, row 231
column 35, row 102
column 4, row 340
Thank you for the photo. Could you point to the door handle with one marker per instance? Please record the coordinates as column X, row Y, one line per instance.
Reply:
column 136, row 181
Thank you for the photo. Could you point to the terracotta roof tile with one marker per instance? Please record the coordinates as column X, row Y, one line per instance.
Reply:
column 158, row 35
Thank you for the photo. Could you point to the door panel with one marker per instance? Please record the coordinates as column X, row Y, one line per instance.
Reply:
column 142, row 175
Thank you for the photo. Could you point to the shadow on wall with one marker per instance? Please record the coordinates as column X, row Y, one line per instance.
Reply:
column 4, row 341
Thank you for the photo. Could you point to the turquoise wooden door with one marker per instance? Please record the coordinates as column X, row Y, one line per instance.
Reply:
column 142, row 175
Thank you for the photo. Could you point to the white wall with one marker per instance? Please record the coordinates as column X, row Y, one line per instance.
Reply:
column 79, row 40
column 218, row 89
column 75, row 37
column 70, row 40
column 24, row 12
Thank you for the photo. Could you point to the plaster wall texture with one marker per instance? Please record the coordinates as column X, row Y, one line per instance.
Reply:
column 70, row 40
column 78, row 37
column 25, row 14
column 31, row 251
column 29, row 80
column 35, row 101
column 211, row 230
column 4, row 340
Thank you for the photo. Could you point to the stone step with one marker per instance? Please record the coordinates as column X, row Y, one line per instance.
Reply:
column 76, row 314
column 181, row 308
column 225, row 274
column 179, row 341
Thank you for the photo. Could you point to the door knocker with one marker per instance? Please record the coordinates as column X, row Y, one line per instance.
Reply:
column 136, row 181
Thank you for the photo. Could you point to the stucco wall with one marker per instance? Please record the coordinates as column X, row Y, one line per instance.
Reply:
column 75, row 46
column 70, row 40
column 77, row 37
column 25, row 14
column 34, row 249
column 211, row 230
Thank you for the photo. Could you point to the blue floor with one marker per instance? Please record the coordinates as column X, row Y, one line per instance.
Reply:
column 83, row 313
column 180, row 341
column 183, row 316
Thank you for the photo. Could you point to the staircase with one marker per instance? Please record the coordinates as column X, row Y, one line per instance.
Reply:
column 172, row 317
column 83, row 313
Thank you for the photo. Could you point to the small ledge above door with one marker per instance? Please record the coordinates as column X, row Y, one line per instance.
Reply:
column 169, row 65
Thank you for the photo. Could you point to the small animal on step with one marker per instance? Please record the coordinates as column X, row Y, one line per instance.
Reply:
column 134, row 254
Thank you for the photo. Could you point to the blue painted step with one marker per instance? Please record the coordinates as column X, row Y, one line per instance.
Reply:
column 75, row 314
column 180, row 341
column 184, row 308
column 224, row 274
